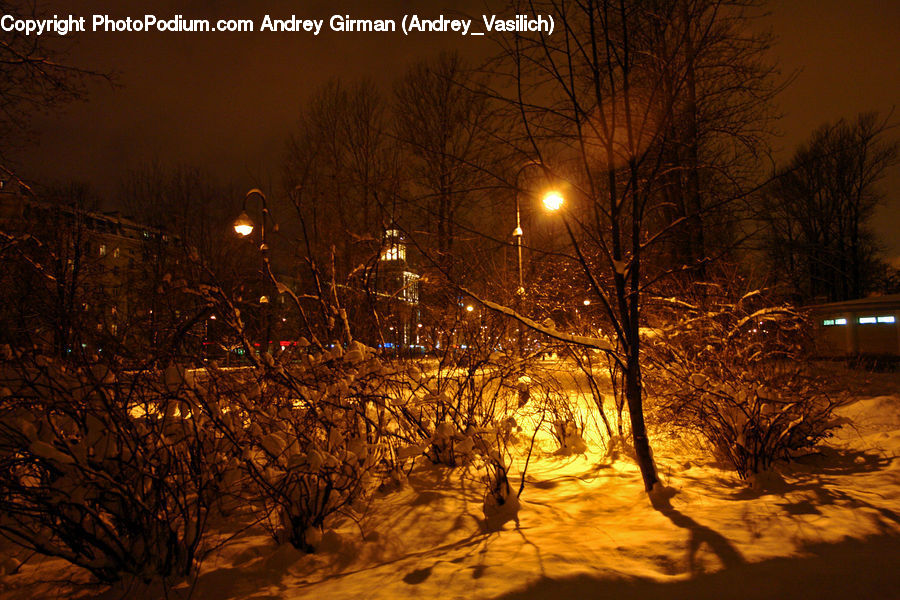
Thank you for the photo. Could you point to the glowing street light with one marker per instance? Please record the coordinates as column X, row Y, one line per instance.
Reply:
column 243, row 225
column 553, row 200
column 470, row 308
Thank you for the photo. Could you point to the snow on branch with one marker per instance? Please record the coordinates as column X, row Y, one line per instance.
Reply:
column 772, row 313
column 579, row 340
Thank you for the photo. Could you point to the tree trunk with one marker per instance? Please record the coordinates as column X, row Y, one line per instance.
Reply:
column 634, row 396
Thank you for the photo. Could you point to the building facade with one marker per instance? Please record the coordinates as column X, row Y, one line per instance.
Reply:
column 868, row 326
column 76, row 276
column 397, row 287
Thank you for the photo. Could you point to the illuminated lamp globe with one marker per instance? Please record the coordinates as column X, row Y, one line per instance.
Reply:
column 553, row 201
column 243, row 226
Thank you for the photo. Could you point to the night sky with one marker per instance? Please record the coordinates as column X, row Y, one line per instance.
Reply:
column 225, row 101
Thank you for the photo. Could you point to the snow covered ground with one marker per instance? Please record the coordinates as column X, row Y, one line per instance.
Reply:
column 828, row 528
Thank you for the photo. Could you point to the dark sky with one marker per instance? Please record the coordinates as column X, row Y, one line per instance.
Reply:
column 224, row 101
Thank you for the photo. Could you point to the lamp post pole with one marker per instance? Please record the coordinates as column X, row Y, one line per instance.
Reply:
column 263, row 247
column 552, row 201
column 244, row 227
column 520, row 290
column 517, row 234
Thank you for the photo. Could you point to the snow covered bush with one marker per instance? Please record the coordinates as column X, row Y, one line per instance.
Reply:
column 499, row 448
column 734, row 371
column 113, row 471
column 566, row 423
column 593, row 367
column 758, row 419
column 462, row 409
column 506, row 445
column 310, row 432
column 501, row 500
column 447, row 407
column 441, row 403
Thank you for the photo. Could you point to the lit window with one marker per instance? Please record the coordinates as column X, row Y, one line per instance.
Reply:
column 867, row 320
column 394, row 252
column 116, row 253
column 840, row 321
column 410, row 291
column 887, row 319
column 828, row 322
column 102, row 249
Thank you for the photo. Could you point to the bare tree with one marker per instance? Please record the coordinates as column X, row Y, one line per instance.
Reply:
column 816, row 212
column 622, row 106
column 722, row 86
column 447, row 131
column 33, row 76
column 50, row 259
column 341, row 180
column 340, row 170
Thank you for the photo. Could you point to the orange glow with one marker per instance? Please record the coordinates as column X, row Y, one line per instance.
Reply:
column 243, row 226
column 553, row 200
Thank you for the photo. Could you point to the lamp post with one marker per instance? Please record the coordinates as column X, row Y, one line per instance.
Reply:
column 243, row 226
column 517, row 232
column 517, row 235
column 552, row 201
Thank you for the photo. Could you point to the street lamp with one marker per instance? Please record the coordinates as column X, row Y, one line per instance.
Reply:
column 517, row 235
column 243, row 226
column 552, row 201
